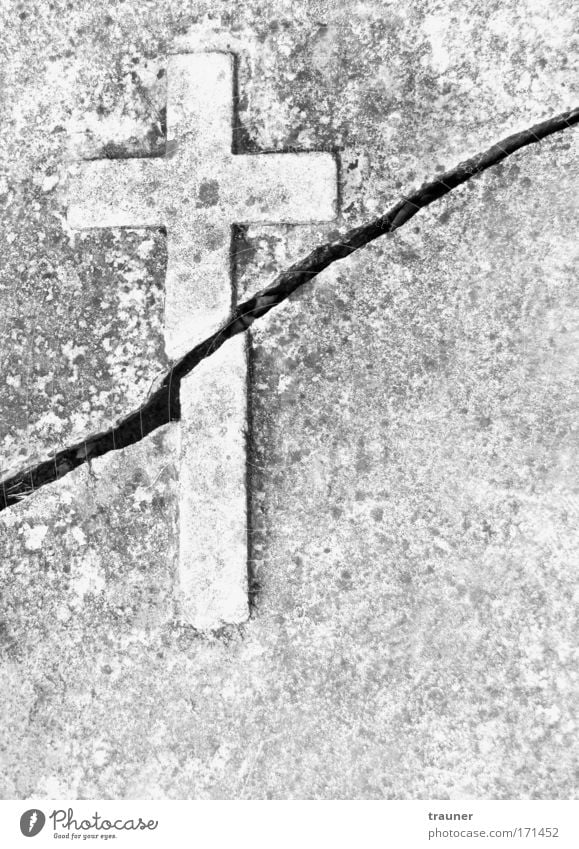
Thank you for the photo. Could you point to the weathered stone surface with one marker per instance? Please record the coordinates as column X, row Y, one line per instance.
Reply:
column 413, row 468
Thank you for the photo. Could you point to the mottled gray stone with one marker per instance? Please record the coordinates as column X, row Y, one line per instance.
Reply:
column 414, row 461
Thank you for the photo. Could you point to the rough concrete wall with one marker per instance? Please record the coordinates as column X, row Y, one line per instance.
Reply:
column 413, row 457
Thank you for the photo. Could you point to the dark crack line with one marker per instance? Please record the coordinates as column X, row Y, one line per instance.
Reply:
column 163, row 404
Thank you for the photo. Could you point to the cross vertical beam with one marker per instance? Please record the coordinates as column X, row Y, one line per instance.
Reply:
column 213, row 544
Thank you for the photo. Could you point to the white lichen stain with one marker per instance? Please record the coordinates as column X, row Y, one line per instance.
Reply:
column 50, row 422
column 145, row 248
column 87, row 578
column 143, row 495
column 34, row 537
column 436, row 28
column 79, row 535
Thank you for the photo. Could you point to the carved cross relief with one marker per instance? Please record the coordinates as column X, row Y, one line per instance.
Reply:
column 198, row 190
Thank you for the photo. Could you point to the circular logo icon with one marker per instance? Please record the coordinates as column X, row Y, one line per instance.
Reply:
column 32, row 822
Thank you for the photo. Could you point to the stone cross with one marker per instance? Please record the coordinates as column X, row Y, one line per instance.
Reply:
column 198, row 190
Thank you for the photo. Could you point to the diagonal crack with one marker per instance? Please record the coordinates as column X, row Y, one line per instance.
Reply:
column 163, row 404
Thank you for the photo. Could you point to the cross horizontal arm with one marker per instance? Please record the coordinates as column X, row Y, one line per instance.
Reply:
column 282, row 188
column 120, row 193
